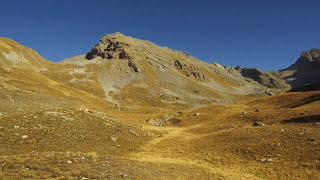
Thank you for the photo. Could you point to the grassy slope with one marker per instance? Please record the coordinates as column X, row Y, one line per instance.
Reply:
column 71, row 133
column 219, row 143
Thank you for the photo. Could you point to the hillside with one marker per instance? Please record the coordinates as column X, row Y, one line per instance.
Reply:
column 15, row 54
column 129, row 109
column 133, row 70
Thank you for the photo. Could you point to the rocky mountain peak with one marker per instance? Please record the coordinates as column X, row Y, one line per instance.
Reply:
column 308, row 60
column 111, row 46
column 312, row 55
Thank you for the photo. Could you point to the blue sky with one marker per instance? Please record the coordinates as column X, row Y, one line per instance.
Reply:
column 264, row 34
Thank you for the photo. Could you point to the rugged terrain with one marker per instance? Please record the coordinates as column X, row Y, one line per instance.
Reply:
column 126, row 66
column 131, row 109
column 304, row 74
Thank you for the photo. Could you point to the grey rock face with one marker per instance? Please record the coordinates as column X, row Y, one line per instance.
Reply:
column 304, row 74
column 308, row 60
column 191, row 70
column 109, row 48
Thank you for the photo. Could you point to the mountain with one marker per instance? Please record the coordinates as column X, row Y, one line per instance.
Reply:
column 132, row 70
column 304, row 74
column 129, row 109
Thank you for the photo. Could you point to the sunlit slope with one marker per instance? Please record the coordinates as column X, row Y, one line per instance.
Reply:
column 131, row 109
column 15, row 54
column 28, row 83
column 133, row 70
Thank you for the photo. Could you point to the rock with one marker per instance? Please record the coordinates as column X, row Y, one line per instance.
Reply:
column 24, row 136
column 258, row 110
column 114, row 139
column 133, row 132
column 316, row 123
column 243, row 113
column 124, row 175
column 1, row 135
column 266, row 160
column 268, row 93
column 110, row 47
column 191, row 70
column 85, row 110
column 180, row 65
column 258, row 124
column 133, row 65
column 159, row 123
column 1, row 128
column 196, row 114
column 155, row 122
column 69, row 162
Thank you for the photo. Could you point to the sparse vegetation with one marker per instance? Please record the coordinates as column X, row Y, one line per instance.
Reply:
column 101, row 119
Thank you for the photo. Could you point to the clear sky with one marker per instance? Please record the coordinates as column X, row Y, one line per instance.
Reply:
column 264, row 34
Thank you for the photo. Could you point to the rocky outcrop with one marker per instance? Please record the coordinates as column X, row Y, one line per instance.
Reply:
column 133, row 65
column 308, row 60
column 109, row 48
column 112, row 47
column 191, row 70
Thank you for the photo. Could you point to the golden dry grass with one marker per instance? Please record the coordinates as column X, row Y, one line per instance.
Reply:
column 53, row 128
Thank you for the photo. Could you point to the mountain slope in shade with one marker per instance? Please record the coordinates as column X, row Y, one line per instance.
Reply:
column 304, row 74
column 309, row 60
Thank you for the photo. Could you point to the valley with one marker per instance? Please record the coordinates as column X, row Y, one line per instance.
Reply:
column 130, row 109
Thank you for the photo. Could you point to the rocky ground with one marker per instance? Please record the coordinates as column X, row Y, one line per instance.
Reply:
column 214, row 142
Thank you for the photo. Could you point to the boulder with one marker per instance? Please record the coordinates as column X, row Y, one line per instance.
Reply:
column 258, row 124
column 196, row 114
